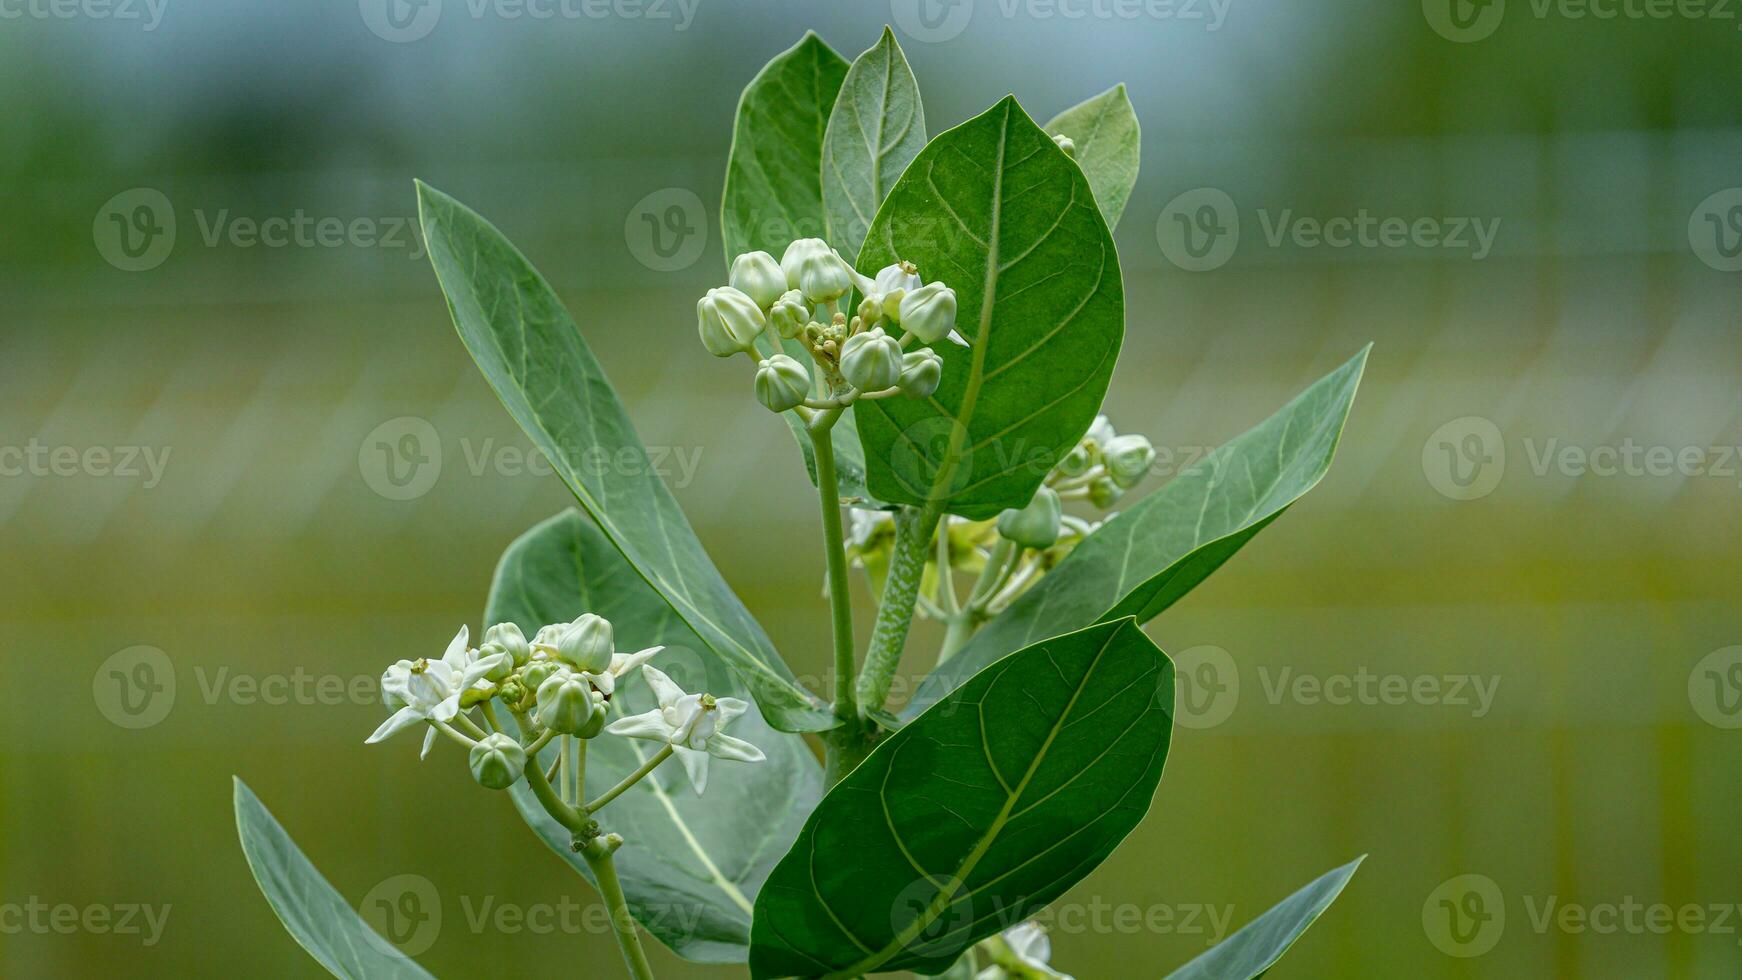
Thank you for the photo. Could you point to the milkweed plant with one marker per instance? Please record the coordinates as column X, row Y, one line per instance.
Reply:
column 936, row 319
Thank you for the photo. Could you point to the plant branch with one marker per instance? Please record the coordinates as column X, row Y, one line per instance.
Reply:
column 630, row 780
column 913, row 539
column 597, row 853
column 835, row 548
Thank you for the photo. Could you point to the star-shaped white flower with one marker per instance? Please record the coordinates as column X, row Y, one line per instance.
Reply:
column 692, row 724
column 1028, row 944
column 425, row 690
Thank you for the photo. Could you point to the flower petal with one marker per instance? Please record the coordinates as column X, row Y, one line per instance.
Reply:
column 695, row 764
column 735, row 749
column 664, row 688
column 648, row 724
column 623, row 663
column 457, row 645
column 398, row 722
column 429, row 740
column 729, row 708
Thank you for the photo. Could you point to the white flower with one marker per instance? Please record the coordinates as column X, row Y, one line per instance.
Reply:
column 425, row 690
column 728, row 321
column 759, row 277
column 1031, row 949
column 692, row 724
column 929, row 313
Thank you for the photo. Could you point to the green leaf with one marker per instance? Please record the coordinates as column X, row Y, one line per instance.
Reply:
column 1152, row 554
column 313, row 912
column 774, row 190
column 691, row 866
column 1104, row 130
column 996, row 211
column 1254, row 949
column 876, row 129
column 533, row 356
column 977, row 814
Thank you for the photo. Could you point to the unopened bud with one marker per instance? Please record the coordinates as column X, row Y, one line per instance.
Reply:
column 871, row 361
column 565, row 703
column 929, row 312
column 759, row 277
column 921, row 370
column 497, row 761
column 508, row 637
column 782, row 383
column 728, row 321
column 1104, row 493
column 1037, row 525
column 1128, row 458
column 588, row 643
column 1066, row 144
column 816, row 270
column 789, row 314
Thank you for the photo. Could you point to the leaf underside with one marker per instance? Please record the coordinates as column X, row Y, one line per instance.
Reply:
column 1257, row 946
column 1104, row 131
column 876, row 129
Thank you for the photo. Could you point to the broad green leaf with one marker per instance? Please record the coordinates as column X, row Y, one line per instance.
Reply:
column 313, row 912
column 774, row 194
column 533, row 356
column 1150, row 555
column 876, row 129
column 977, row 814
column 774, row 190
column 1256, row 947
column 996, row 211
column 691, row 866
column 1104, row 130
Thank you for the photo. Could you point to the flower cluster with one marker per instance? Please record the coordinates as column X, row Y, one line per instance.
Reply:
column 857, row 356
column 557, row 686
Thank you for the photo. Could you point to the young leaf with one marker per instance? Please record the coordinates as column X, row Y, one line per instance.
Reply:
column 1153, row 553
column 533, row 356
column 995, row 210
column 774, row 190
column 1257, row 946
column 692, row 865
column 876, row 129
column 1104, row 130
column 981, row 811
column 313, row 912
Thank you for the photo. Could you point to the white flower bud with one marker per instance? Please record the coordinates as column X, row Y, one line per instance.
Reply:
column 929, row 312
column 588, row 643
column 1066, row 144
column 728, row 321
column 565, row 703
column 816, row 270
column 900, row 277
column 921, row 370
column 782, row 383
column 507, row 636
column 1104, row 493
column 1037, row 525
column 497, row 761
column 789, row 314
column 759, row 277
column 1128, row 459
column 1100, row 431
column 871, row 361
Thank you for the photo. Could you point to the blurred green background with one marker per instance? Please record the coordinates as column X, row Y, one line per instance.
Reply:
column 1605, row 314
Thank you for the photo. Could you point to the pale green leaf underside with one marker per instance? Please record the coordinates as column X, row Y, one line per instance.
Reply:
column 995, row 210
column 876, row 129
column 1257, row 946
column 313, row 912
column 978, row 813
column 1104, row 130
column 1153, row 553
column 533, row 355
column 691, row 866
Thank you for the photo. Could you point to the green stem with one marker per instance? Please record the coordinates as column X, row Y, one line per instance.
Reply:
column 597, row 853
column 946, row 594
column 961, row 629
column 913, row 539
column 572, row 820
column 835, row 548
column 630, row 780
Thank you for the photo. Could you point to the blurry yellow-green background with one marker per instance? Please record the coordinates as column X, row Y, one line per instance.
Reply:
column 268, row 562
